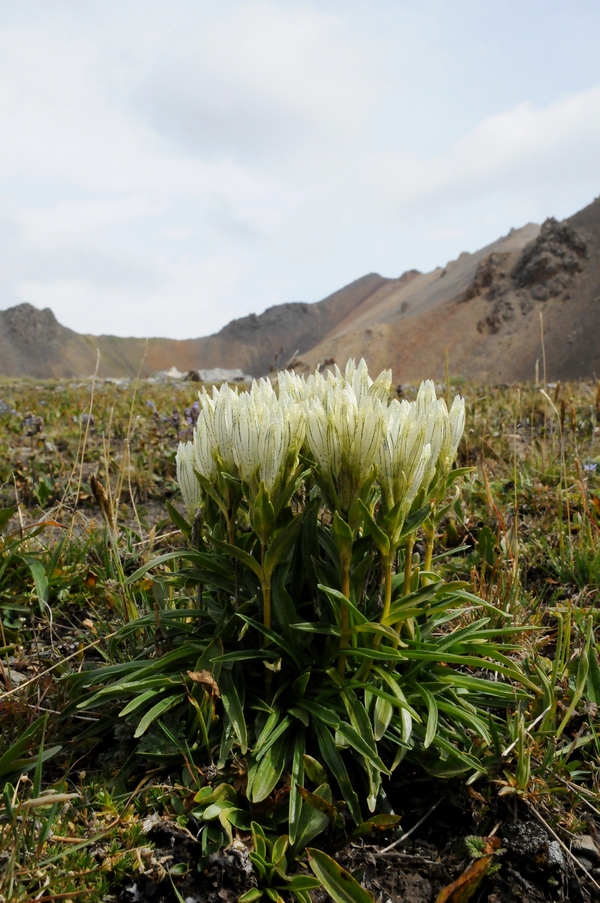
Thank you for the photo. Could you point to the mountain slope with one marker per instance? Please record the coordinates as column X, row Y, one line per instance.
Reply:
column 484, row 312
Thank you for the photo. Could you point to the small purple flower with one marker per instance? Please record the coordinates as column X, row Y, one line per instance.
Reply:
column 590, row 466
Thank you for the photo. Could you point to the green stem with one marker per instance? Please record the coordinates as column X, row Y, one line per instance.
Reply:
column 408, row 554
column 429, row 530
column 387, row 587
column 345, row 560
column 266, row 594
column 388, row 561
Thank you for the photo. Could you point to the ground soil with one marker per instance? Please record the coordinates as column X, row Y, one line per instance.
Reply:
column 531, row 866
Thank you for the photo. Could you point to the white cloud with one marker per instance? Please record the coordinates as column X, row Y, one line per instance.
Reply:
column 165, row 169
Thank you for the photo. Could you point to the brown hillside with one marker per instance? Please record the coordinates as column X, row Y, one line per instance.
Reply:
column 482, row 311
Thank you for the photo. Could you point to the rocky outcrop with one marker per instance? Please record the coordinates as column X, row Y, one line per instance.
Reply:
column 547, row 266
column 479, row 313
column 545, row 269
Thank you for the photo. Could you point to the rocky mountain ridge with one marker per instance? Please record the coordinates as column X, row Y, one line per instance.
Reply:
column 484, row 312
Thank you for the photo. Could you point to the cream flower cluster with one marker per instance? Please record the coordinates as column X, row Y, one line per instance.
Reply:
column 345, row 423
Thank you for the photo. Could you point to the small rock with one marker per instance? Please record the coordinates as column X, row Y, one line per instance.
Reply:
column 556, row 857
column 585, row 846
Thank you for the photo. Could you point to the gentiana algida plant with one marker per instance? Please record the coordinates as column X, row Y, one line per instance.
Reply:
column 299, row 653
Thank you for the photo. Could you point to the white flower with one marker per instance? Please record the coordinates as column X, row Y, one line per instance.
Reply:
column 205, row 445
column 268, row 433
column 188, row 484
column 457, row 424
column 401, row 451
column 420, row 441
column 344, row 432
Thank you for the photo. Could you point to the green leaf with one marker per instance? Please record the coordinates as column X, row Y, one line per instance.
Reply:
column 360, row 745
column 321, row 713
column 593, row 677
column 318, row 802
column 414, row 520
column 37, row 775
column 302, row 882
column 208, row 795
column 251, row 895
column 240, row 554
column 156, row 711
column 296, row 781
column 234, row 708
column 39, row 578
column 269, row 769
column 336, row 765
column 263, row 515
column 137, row 702
column 314, row 770
column 274, row 735
column 432, row 715
column 343, row 535
column 14, row 752
column 281, row 545
column 280, row 848
column 210, row 490
column 382, row 716
column 5, row 516
column 312, row 821
column 338, row 883
column 376, row 823
column 380, row 539
column 178, row 519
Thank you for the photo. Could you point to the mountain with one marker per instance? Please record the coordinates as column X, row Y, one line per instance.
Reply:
column 482, row 312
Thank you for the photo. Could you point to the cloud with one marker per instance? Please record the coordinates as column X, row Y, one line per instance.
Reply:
column 167, row 168
column 251, row 83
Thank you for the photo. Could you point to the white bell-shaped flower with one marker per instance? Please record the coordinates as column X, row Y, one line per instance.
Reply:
column 268, row 434
column 205, row 445
column 186, row 478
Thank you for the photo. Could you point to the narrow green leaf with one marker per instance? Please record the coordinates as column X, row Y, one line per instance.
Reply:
column 37, row 775
column 14, row 752
column 593, row 675
column 432, row 715
column 296, row 781
column 138, row 702
column 302, row 882
column 360, row 745
column 382, row 716
column 335, row 763
column 240, row 554
column 156, row 711
column 282, row 544
column 233, row 707
column 312, row 821
column 251, row 895
column 5, row 516
column 376, row 823
column 39, row 578
column 314, row 770
column 338, row 883
column 269, row 769
column 380, row 539
column 178, row 519
column 318, row 802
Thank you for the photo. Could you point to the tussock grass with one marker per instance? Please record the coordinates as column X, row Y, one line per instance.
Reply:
column 84, row 507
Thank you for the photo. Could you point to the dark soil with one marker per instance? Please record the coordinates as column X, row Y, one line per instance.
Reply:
column 531, row 865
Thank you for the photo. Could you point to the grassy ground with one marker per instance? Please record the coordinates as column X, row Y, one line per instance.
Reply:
column 80, row 804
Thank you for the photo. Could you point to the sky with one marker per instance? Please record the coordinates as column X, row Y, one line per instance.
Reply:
column 169, row 165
